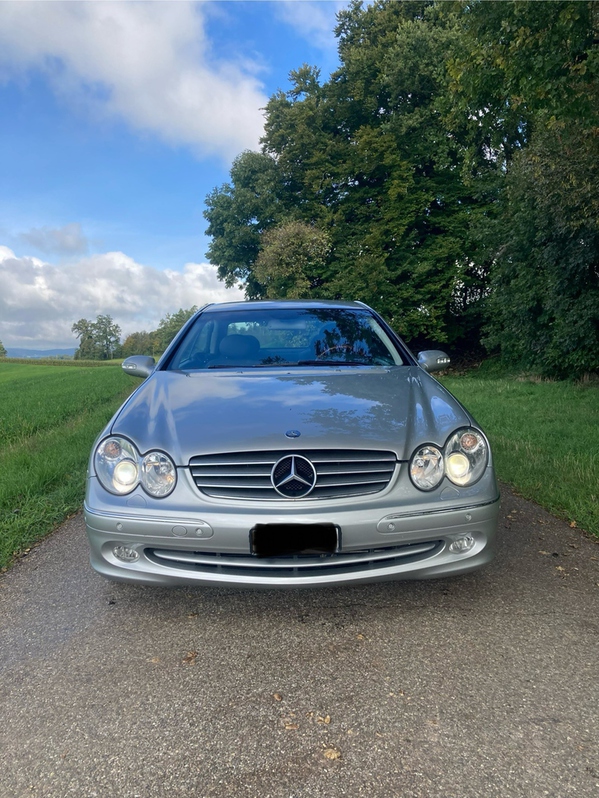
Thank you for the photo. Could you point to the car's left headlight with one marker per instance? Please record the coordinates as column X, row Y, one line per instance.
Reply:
column 462, row 460
column 466, row 456
column 120, row 468
column 158, row 474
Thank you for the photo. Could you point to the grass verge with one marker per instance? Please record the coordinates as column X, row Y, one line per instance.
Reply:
column 545, row 439
column 49, row 418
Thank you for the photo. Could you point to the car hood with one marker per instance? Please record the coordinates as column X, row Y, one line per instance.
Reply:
column 207, row 412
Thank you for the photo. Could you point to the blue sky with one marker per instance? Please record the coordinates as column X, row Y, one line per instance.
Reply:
column 118, row 119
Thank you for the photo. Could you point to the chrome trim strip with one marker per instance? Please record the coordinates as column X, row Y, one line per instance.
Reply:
column 190, row 522
column 293, row 563
column 443, row 510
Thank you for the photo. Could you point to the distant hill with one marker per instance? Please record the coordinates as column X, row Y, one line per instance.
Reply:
column 17, row 352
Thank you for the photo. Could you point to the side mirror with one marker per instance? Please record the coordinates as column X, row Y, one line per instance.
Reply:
column 431, row 360
column 139, row 365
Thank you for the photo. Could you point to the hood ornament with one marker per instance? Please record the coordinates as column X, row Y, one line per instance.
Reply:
column 293, row 433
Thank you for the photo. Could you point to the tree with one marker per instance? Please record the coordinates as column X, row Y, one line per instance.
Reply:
column 452, row 162
column 98, row 340
column 170, row 325
column 538, row 65
column 2, row 350
column 291, row 260
column 239, row 212
column 107, row 336
column 366, row 158
column 545, row 299
column 139, row 343
column 83, row 330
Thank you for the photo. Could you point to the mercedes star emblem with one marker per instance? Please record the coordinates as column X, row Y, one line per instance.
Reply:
column 293, row 476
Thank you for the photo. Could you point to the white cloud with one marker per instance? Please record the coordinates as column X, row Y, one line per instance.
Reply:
column 40, row 301
column 315, row 20
column 147, row 63
column 67, row 240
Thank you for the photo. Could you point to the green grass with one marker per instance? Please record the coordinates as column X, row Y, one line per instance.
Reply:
column 49, row 418
column 57, row 361
column 544, row 436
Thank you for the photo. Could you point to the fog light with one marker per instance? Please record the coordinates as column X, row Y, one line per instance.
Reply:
column 125, row 554
column 461, row 545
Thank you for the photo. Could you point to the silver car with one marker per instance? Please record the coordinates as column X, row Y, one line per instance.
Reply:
column 289, row 443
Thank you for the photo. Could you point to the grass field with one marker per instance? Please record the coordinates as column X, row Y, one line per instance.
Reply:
column 49, row 418
column 545, row 438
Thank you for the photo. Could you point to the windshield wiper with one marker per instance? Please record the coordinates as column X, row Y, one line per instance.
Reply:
column 332, row 363
column 250, row 366
column 291, row 364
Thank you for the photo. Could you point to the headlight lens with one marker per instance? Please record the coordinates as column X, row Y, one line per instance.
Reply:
column 116, row 464
column 158, row 474
column 427, row 468
column 463, row 460
column 466, row 456
column 120, row 469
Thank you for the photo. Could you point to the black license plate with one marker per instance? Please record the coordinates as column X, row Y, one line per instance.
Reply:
column 284, row 540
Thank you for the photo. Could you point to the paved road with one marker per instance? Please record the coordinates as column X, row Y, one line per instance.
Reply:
column 485, row 685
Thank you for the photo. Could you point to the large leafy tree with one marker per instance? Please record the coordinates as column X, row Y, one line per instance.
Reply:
column 366, row 158
column 98, row 340
column 2, row 350
column 452, row 163
column 534, row 67
column 239, row 212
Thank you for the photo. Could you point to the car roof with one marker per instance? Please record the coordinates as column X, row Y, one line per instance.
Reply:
column 277, row 304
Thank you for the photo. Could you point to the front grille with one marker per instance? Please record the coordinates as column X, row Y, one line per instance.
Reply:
column 340, row 473
column 299, row 565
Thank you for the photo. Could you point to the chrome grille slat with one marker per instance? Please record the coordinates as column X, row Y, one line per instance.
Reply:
column 245, row 562
column 246, row 475
column 362, row 468
column 337, row 479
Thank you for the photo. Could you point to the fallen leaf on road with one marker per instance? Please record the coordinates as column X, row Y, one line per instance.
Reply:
column 326, row 719
column 291, row 726
column 573, row 524
column 278, row 697
column 190, row 658
column 332, row 753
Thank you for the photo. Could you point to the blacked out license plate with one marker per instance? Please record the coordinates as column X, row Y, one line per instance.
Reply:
column 284, row 540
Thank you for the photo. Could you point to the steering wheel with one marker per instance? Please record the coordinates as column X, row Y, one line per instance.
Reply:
column 337, row 348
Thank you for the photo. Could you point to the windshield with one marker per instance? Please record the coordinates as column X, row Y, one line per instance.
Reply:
column 261, row 338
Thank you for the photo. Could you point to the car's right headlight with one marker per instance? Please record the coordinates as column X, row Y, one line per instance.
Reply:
column 117, row 465
column 120, row 469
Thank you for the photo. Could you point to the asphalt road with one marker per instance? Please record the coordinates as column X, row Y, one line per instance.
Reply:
column 484, row 685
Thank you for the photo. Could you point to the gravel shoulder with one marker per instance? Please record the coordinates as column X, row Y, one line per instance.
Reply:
column 482, row 685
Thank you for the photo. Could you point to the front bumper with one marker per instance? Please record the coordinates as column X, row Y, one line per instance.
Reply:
column 379, row 542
